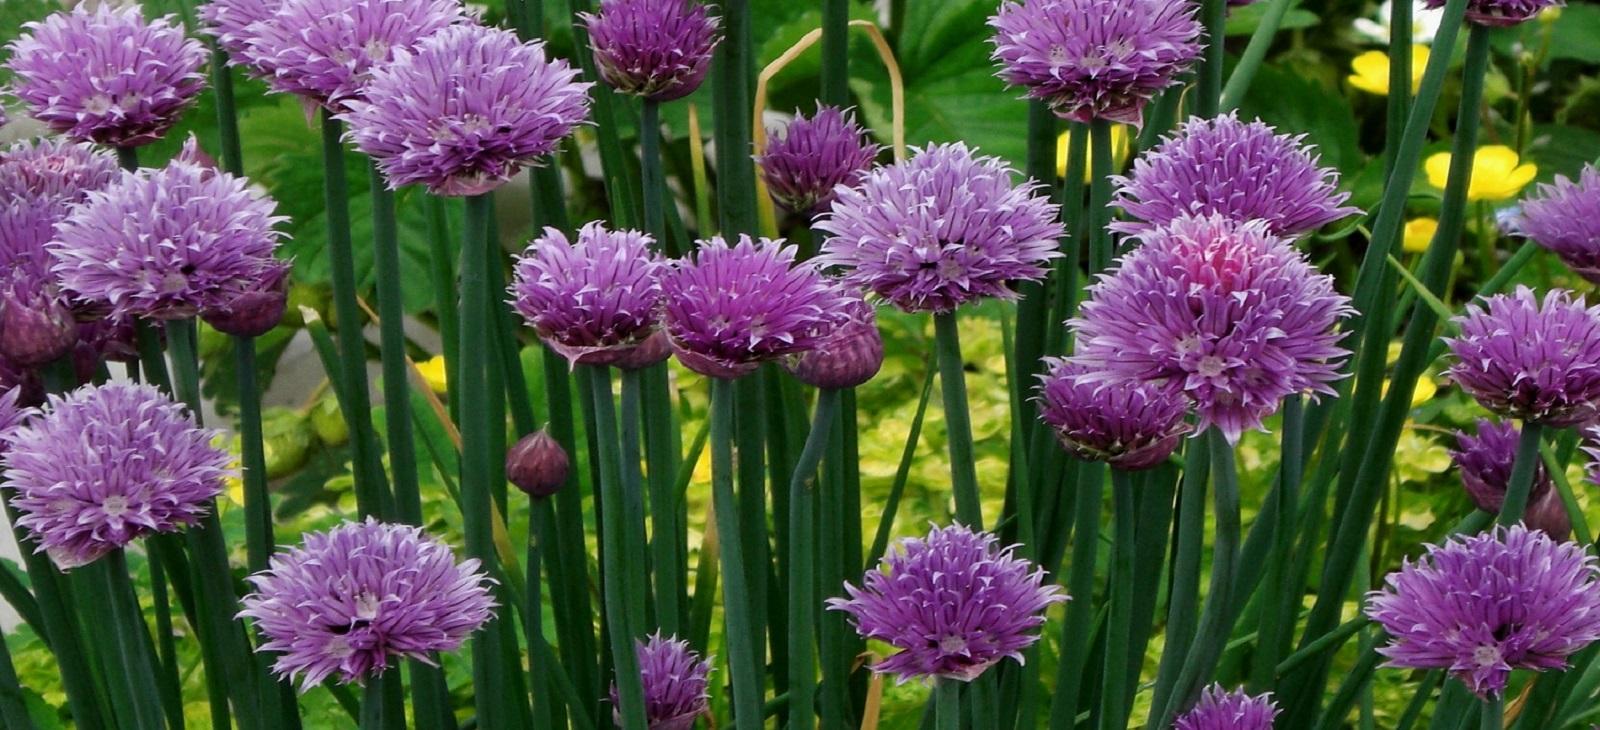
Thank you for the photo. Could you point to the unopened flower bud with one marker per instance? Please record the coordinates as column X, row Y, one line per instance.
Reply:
column 35, row 332
column 848, row 358
column 537, row 465
column 254, row 309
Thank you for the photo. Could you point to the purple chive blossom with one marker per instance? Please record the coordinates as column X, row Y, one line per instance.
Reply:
column 1133, row 425
column 12, row 415
column 593, row 300
column 940, row 230
column 847, row 358
column 657, row 49
column 1501, row 13
column 812, row 156
column 1565, row 218
column 1482, row 605
column 105, row 465
column 106, row 75
column 1198, row 169
column 252, row 307
column 166, row 243
column 730, row 308
column 350, row 602
column 324, row 50
column 235, row 23
column 54, row 171
column 1221, row 311
column 954, row 604
column 1485, row 461
column 1530, row 361
column 465, row 109
column 1219, row 709
column 1095, row 59
column 675, row 684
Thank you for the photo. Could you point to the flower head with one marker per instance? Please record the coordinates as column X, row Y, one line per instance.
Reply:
column 1221, row 311
column 954, row 604
column 814, row 155
column 325, row 50
column 349, row 602
column 1418, row 234
column 847, row 358
column 106, row 75
column 1485, row 461
column 1197, row 170
column 1565, row 218
column 1497, row 173
column 1480, row 606
column 235, row 23
column 1095, row 59
column 1500, row 13
column 730, row 308
column 166, row 243
column 1133, row 425
column 1219, row 709
column 675, row 683
column 1531, row 361
column 594, row 299
column 657, row 49
column 1369, row 71
column 55, row 172
column 537, row 465
column 939, row 230
column 465, row 109
column 251, row 307
column 107, row 464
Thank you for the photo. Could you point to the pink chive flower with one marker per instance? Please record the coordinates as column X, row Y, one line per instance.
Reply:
column 1133, row 425
column 657, row 49
column 593, row 300
column 676, row 684
column 1530, row 360
column 812, row 156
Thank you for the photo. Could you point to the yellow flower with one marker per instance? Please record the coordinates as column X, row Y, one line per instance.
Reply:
column 1497, row 173
column 1419, row 233
column 432, row 371
column 1119, row 151
column 1371, row 70
column 1422, row 393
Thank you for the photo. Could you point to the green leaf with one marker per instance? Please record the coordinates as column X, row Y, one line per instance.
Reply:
column 1244, row 20
column 1562, row 150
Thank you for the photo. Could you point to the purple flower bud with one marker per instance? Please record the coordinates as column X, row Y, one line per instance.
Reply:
column 593, row 300
column 1500, row 13
column 657, row 49
column 953, row 603
column 654, row 349
column 1564, row 217
column 1129, row 425
column 252, row 307
column 847, row 358
column 1485, row 461
column 465, row 109
column 675, row 684
column 108, row 464
column 730, row 308
column 537, row 465
column 812, row 156
column 350, row 602
column 54, row 171
column 105, row 74
column 940, row 230
column 35, row 327
column 1095, row 59
column 1480, row 606
column 1219, row 709
column 1530, row 361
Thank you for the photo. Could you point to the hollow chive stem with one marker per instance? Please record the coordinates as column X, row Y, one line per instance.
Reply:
column 392, row 351
column 1208, row 92
column 1250, row 61
column 947, row 704
column 1184, row 581
column 1119, row 627
column 1523, row 468
column 624, row 603
column 1077, row 630
column 1100, row 244
column 746, row 676
column 802, row 562
column 1493, row 715
column 958, row 421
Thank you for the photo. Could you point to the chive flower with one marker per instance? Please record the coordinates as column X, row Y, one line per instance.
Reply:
column 676, row 690
column 465, row 109
column 953, row 603
column 1480, row 606
column 730, row 308
column 166, row 243
column 656, row 49
column 849, row 357
column 593, row 300
column 940, row 230
column 1197, row 171
column 1485, row 460
column 1221, row 311
column 235, row 24
column 53, row 172
column 351, row 602
column 1095, row 59
column 105, row 465
column 1130, row 426
column 1502, row 13
column 1530, row 360
column 106, row 74
column 1564, row 217
column 812, row 156
column 1219, row 709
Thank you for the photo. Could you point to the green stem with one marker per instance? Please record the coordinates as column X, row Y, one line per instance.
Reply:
column 1076, row 631
column 669, row 534
column 227, row 117
column 1184, row 587
column 745, row 674
column 1214, row 13
column 573, row 612
column 392, row 348
column 731, row 81
column 1250, row 62
column 1100, row 244
column 1493, row 715
column 128, row 158
column 802, row 563
column 633, row 528
column 166, row 646
column 958, row 422
column 621, row 546
column 13, row 706
column 1399, row 99
column 1522, row 470
column 130, row 644
column 947, row 699
column 613, row 163
column 1114, row 694
column 1282, row 601
column 257, row 502
column 651, row 180
column 371, row 492
column 835, row 53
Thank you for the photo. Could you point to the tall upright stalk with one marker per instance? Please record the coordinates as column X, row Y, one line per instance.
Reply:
column 392, row 351
column 1523, row 468
column 1184, row 577
column 744, row 672
column 1076, row 630
column 622, row 555
column 1208, row 91
column 1100, row 244
column 803, row 550
column 958, row 422
column 1114, row 691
